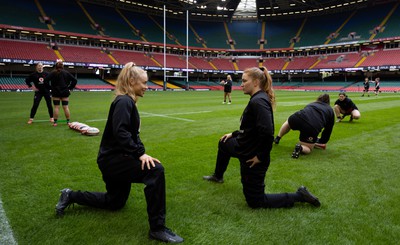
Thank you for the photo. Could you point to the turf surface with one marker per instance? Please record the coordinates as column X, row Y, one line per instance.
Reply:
column 356, row 178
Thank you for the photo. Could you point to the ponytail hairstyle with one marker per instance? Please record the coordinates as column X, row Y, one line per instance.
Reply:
column 324, row 98
column 128, row 76
column 261, row 74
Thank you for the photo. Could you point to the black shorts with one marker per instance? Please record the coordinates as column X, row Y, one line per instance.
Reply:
column 61, row 94
column 227, row 90
column 307, row 133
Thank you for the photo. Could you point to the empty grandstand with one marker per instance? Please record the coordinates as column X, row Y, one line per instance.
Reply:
column 332, row 44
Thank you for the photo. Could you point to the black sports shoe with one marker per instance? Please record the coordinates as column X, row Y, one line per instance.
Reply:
column 64, row 201
column 277, row 139
column 165, row 235
column 213, row 179
column 308, row 197
column 297, row 150
column 351, row 119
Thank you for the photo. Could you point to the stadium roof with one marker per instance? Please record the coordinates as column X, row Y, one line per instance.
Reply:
column 239, row 9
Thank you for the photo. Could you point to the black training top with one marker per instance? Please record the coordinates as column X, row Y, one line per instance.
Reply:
column 366, row 85
column 346, row 105
column 61, row 81
column 121, row 134
column 228, row 85
column 319, row 115
column 38, row 79
column 120, row 146
column 256, row 132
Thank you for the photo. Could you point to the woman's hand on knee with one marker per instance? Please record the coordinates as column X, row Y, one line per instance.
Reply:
column 148, row 161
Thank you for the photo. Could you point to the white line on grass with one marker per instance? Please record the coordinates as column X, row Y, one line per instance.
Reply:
column 6, row 234
column 148, row 114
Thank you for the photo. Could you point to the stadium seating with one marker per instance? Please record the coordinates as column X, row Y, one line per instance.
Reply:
column 68, row 16
column 13, row 83
column 338, row 61
column 200, row 63
column 84, row 54
column 139, row 58
column 384, row 57
column 300, row 63
column 93, row 84
column 26, row 50
column 247, row 63
column 245, row 34
column 80, row 17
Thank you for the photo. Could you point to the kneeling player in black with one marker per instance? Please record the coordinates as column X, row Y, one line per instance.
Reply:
column 252, row 145
column 310, row 121
column 344, row 107
column 122, row 160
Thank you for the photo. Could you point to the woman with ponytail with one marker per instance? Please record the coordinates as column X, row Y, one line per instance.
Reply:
column 252, row 145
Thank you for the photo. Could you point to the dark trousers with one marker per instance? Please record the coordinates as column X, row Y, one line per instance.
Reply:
column 36, row 101
column 118, row 192
column 252, row 178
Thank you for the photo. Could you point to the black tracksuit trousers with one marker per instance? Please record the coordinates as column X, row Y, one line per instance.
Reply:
column 252, row 178
column 36, row 101
column 118, row 192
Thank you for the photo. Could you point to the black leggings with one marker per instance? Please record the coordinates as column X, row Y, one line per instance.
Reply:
column 253, row 179
column 36, row 101
column 118, row 192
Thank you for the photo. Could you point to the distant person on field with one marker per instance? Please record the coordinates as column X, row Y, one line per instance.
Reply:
column 310, row 121
column 61, row 83
column 227, row 89
column 252, row 145
column 344, row 107
column 366, row 87
column 122, row 160
column 41, row 89
column 377, row 85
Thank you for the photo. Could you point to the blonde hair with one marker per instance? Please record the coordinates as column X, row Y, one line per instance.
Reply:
column 128, row 76
column 261, row 74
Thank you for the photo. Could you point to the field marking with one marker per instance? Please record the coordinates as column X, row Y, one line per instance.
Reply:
column 170, row 115
column 290, row 103
column 6, row 236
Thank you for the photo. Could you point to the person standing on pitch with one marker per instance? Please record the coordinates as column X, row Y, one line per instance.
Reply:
column 252, row 145
column 227, row 89
column 41, row 89
column 377, row 85
column 61, row 83
column 366, row 87
column 345, row 106
column 122, row 160
column 310, row 121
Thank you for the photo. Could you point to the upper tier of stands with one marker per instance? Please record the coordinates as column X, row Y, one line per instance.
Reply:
column 25, row 50
column 79, row 17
